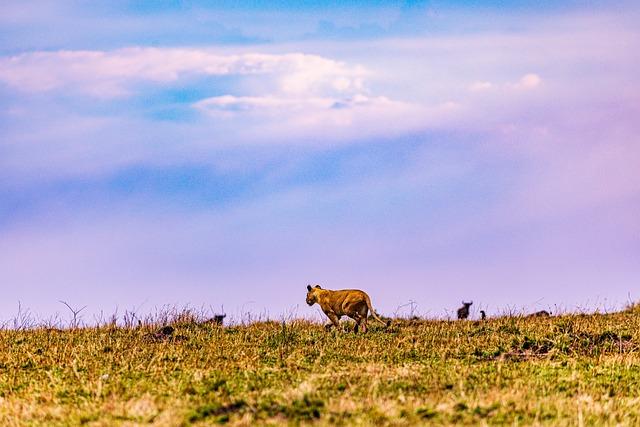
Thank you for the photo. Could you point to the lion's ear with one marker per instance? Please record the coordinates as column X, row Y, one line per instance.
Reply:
column 309, row 288
column 318, row 286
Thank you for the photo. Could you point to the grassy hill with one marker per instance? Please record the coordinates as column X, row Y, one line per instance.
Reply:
column 569, row 370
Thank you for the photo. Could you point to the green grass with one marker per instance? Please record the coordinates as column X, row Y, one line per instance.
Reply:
column 568, row 370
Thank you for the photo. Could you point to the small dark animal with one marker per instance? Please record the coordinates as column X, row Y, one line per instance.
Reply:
column 463, row 312
column 161, row 334
column 216, row 320
column 541, row 313
column 165, row 334
column 166, row 331
column 483, row 315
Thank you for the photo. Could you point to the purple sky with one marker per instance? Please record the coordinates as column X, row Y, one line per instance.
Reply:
column 228, row 156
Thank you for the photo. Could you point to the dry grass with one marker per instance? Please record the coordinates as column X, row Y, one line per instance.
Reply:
column 568, row 370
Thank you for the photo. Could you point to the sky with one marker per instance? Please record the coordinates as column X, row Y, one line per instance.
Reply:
column 223, row 155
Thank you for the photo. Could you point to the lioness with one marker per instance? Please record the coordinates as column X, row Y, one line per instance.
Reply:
column 347, row 302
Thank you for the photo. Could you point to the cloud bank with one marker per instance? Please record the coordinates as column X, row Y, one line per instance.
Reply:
column 111, row 73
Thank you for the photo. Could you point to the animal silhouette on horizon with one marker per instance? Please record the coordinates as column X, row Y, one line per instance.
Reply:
column 463, row 312
column 216, row 320
column 541, row 313
column 483, row 315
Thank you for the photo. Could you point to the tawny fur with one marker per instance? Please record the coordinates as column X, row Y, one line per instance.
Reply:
column 352, row 303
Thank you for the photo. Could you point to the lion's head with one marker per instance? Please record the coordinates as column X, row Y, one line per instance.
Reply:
column 312, row 298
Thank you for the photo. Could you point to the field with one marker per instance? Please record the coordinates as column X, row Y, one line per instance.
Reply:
column 567, row 370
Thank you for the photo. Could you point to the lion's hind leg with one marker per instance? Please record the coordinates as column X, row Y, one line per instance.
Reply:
column 360, row 316
column 360, row 323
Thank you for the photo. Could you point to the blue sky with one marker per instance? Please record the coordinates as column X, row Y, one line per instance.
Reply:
column 176, row 153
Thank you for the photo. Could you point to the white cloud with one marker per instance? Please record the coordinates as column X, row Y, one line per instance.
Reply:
column 111, row 73
column 530, row 81
column 327, row 119
column 311, row 73
column 268, row 104
column 229, row 104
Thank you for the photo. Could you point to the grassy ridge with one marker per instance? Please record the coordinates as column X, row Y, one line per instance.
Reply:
column 570, row 370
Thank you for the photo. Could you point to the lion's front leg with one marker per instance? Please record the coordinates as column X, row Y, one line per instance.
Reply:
column 334, row 321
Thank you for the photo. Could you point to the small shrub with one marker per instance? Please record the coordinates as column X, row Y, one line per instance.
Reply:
column 426, row 413
column 215, row 410
column 460, row 406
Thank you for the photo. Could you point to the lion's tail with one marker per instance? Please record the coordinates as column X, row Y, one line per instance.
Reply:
column 373, row 312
